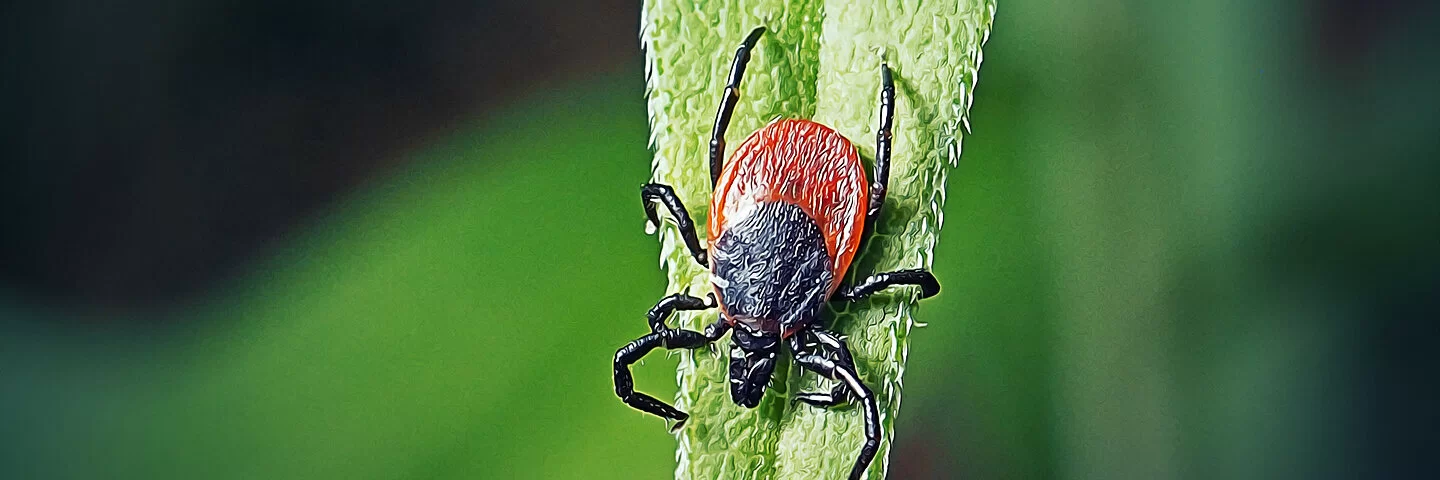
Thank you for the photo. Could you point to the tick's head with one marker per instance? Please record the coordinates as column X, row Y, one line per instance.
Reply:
column 752, row 362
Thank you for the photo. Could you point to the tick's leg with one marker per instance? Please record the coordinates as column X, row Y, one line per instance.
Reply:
column 877, row 282
column 635, row 350
column 880, row 178
column 655, row 192
column 814, row 354
column 831, row 343
column 834, row 348
column 839, row 395
column 662, row 310
column 727, row 104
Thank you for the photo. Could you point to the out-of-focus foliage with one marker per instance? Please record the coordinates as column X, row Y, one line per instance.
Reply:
column 1184, row 241
column 455, row 320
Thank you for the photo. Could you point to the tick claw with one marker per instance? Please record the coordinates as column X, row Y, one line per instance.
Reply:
column 679, row 423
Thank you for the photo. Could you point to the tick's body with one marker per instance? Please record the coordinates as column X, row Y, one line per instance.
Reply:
column 787, row 217
column 789, row 211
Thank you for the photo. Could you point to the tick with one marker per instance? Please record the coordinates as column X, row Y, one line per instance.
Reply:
column 786, row 217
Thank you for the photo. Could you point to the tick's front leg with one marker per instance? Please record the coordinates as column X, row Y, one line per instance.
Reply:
column 816, row 350
column 661, row 336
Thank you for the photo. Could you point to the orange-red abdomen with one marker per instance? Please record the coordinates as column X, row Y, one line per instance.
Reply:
column 805, row 164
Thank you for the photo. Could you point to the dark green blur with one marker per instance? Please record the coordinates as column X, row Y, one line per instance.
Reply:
column 1183, row 242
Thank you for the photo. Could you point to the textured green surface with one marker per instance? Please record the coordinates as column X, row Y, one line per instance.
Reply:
column 820, row 60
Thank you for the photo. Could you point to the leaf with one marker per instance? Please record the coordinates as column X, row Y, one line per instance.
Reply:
column 819, row 60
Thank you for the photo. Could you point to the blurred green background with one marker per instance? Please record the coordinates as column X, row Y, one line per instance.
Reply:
column 304, row 240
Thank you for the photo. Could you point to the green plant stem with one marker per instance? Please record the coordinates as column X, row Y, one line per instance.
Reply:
column 819, row 60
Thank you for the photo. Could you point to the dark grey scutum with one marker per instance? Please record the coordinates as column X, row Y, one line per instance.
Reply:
column 774, row 275
column 773, row 266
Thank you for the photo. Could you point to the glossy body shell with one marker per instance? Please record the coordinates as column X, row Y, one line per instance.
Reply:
column 786, row 219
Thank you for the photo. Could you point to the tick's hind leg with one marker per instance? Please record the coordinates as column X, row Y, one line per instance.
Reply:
column 655, row 192
column 727, row 104
column 824, row 353
column 670, row 338
column 880, row 178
